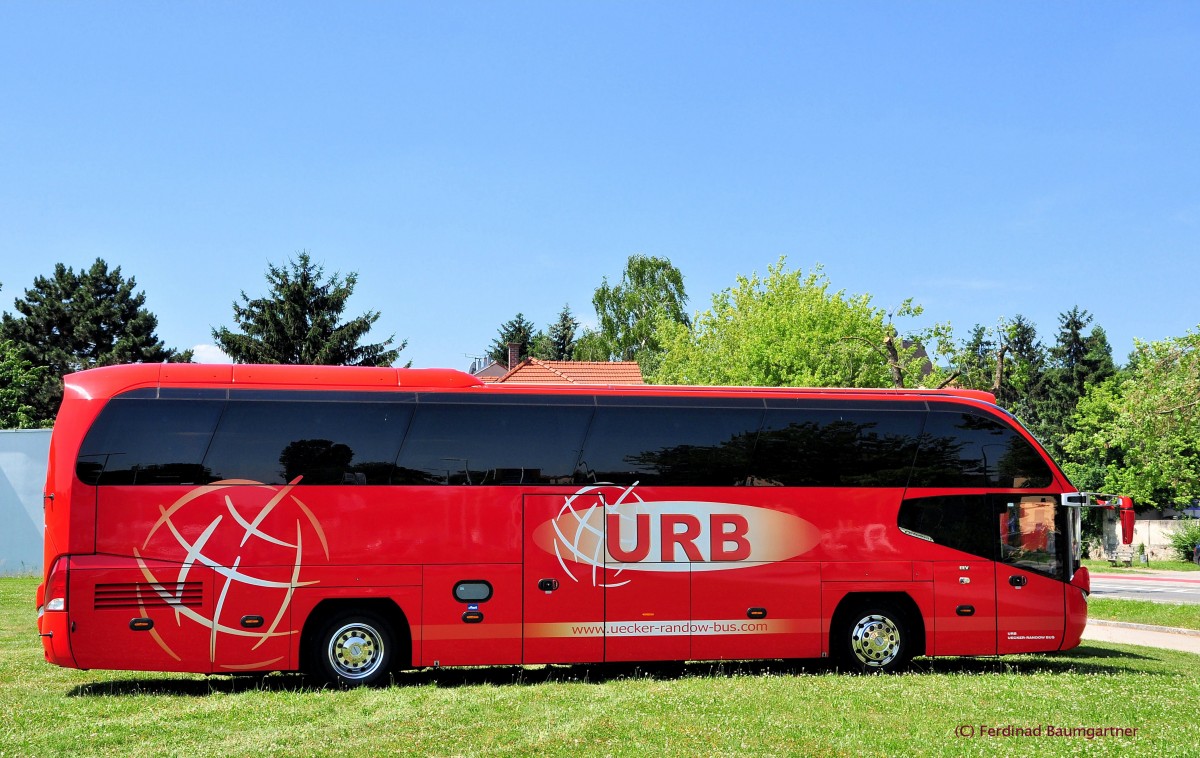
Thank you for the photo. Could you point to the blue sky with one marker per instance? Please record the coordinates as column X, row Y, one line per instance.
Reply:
column 472, row 160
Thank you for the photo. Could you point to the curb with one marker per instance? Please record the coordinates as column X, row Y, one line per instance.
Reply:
column 1146, row 627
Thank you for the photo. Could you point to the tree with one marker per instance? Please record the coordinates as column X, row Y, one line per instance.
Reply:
column 298, row 322
column 651, row 292
column 1075, row 362
column 517, row 330
column 1138, row 433
column 19, row 381
column 1008, row 361
column 558, row 342
column 975, row 361
column 791, row 329
column 71, row 322
column 1022, row 389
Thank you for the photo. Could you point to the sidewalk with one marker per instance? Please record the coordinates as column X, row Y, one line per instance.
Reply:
column 1187, row 640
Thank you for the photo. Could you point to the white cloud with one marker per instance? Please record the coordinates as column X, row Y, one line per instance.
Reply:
column 209, row 354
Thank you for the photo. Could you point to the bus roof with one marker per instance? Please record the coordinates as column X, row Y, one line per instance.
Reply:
column 113, row 380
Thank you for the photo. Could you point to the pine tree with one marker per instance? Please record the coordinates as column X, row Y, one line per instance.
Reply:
column 1022, row 389
column 1075, row 362
column 70, row 322
column 562, row 336
column 517, row 329
column 297, row 322
column 976, row 360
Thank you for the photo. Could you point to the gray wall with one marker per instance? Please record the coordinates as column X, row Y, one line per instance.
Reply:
column 23, row 455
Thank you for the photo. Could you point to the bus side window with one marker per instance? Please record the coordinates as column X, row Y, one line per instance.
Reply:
column 829, row 447
column 969, row 450
column 492, row 443
column 315, row 442
column 670, row 446
column 962, row 522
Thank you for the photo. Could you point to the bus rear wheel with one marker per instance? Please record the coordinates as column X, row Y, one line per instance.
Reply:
column 875, row 639
column 354, row 650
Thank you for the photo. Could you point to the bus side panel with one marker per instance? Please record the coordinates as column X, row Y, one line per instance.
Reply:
column 760, row 611
column 268, row 524
column 964, row 621
column 647, row 612
column 122, row 620
column 459, row 633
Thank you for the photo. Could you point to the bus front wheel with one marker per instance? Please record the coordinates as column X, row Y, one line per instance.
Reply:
column 875, row 639
column 354, row 650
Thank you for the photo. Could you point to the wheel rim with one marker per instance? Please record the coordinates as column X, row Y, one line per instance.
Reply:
column 356, row 651
column 875, row 640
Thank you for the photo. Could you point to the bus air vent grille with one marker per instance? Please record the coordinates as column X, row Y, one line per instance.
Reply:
column 141, row 595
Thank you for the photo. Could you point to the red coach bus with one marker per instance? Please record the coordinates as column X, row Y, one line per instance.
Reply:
column 350, row 522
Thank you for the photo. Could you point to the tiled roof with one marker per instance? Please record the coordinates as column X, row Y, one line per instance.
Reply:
column 536, row 371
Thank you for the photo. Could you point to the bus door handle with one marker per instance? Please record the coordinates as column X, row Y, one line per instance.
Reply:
column 1018, row 581
column 547, row 585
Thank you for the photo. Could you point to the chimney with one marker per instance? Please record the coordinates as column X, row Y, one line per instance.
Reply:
column 514, row 354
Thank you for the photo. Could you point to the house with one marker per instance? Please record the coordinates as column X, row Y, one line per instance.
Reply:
column 534, row 371
column 490, row 372
column 537, row 371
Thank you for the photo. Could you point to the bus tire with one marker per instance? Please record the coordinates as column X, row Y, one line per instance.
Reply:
column 875, row 638
column 354, row 650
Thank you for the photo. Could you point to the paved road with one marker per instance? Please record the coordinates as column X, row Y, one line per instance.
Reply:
column 1159, row 587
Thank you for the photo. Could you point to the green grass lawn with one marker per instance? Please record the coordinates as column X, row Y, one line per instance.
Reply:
column 687, row 709
column 1180, row 615
column 1104, row 567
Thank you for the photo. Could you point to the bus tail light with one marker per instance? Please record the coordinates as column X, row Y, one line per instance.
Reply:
column 56, row 587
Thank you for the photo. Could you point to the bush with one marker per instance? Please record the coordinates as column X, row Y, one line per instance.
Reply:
column 1185, row 538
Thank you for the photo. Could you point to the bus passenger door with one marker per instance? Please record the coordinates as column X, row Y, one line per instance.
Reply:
column 1031, row 603
column 1031, row 609
column 563, row 579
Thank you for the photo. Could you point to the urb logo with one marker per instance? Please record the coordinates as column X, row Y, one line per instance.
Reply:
column 607, row 527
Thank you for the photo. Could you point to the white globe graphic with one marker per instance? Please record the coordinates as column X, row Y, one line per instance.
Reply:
column 579, row 529
column 256, row 539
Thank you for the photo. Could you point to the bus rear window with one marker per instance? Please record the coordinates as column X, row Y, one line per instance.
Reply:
column 146, row 441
